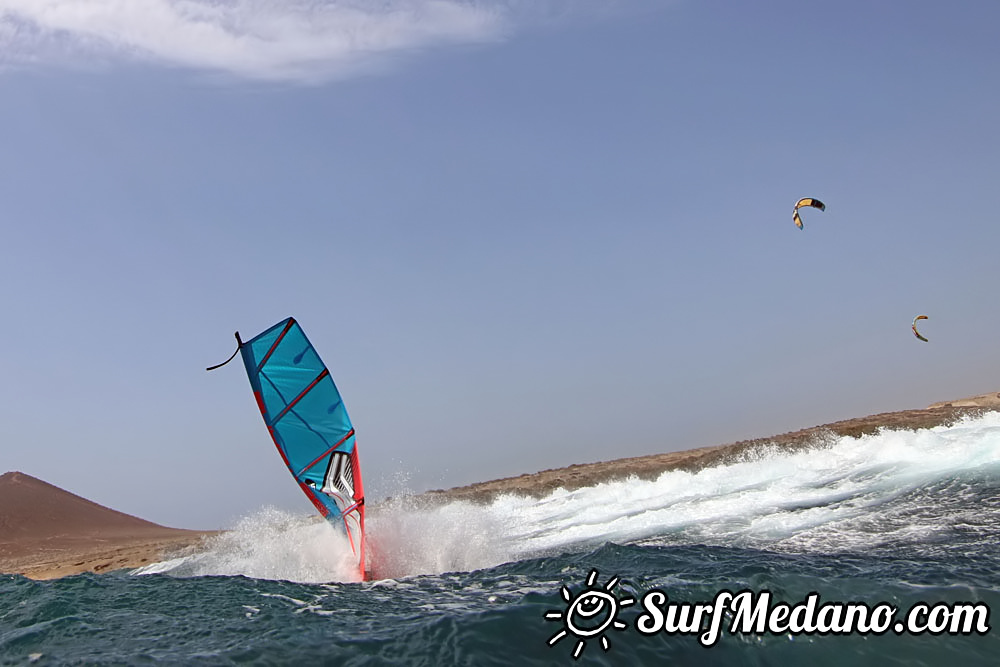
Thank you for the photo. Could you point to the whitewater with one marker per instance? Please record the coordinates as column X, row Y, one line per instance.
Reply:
column 897, row 516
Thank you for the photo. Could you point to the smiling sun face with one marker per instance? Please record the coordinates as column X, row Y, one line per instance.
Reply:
column 589, row 614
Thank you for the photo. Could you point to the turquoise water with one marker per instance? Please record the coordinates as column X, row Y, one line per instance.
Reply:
column 900, row 517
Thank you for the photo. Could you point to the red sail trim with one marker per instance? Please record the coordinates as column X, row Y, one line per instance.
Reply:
column 359, row 498
column 260, row 405
column 278, row 447
column 317, row 503
column 274, row 345
column 298, row 398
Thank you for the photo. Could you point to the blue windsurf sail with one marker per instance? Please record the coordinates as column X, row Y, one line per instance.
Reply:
column 307, row 420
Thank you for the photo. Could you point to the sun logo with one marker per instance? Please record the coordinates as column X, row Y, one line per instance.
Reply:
column 589, row 614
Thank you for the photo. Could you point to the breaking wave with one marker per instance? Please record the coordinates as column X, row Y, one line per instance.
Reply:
column 928, row 490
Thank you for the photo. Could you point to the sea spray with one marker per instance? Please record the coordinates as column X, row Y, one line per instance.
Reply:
column 270, row 544
column 404, row 540
column 409, row 538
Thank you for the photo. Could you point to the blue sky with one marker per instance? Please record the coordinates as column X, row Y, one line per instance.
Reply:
column 522, row 235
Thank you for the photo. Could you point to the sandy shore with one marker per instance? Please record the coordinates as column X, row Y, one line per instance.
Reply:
column 46, row 532
column 73, row 556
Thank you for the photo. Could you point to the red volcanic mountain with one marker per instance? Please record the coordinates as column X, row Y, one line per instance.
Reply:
column 35, row 515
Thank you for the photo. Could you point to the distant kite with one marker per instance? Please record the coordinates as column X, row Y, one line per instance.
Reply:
column 805, row 201
column 914, row 327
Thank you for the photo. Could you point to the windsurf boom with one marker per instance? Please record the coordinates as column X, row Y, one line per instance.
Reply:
column 309, row 425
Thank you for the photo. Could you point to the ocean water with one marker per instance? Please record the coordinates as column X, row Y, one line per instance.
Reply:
column 902, row 518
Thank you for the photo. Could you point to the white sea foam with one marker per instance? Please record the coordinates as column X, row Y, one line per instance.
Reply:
column 800, row 500
column 849, row 493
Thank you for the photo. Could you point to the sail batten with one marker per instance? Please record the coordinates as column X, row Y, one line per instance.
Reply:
column 274, row 345
column 324, row 454
column 298, row 398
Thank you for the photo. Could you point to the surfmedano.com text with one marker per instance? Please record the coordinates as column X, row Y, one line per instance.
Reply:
column 754, row 613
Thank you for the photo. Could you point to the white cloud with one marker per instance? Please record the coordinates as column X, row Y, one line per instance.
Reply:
column 291, row 40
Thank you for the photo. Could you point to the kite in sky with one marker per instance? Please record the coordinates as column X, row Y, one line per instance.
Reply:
column 805, row 201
